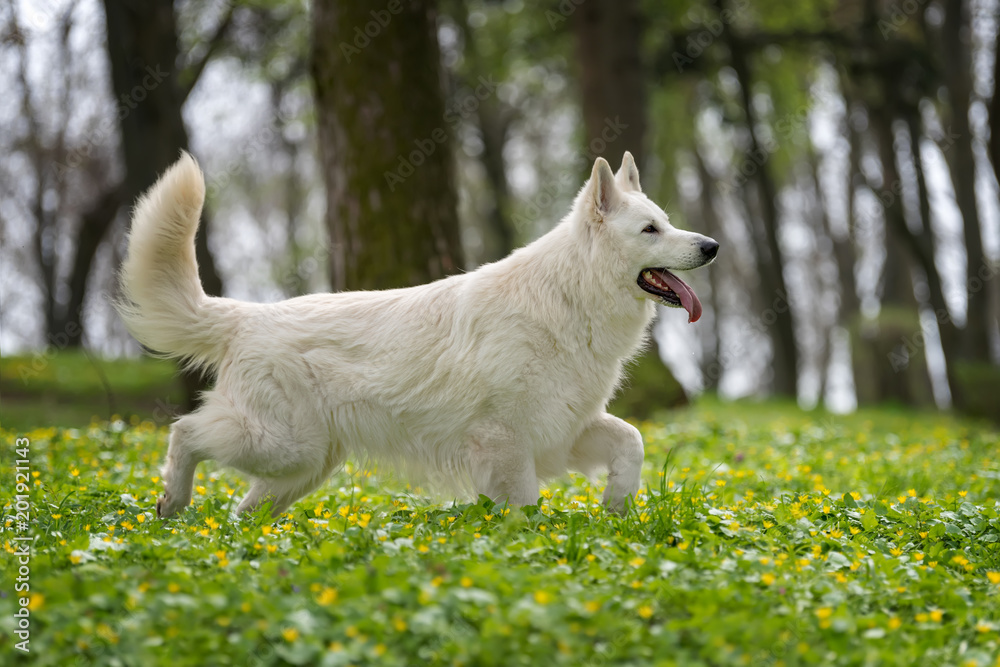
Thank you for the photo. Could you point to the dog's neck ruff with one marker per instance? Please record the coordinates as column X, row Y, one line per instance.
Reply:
column 587, row 280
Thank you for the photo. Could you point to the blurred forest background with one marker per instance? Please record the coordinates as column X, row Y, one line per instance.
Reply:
column 845, row 153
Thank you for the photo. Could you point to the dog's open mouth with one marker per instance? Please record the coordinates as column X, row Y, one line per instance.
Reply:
column 671, row 291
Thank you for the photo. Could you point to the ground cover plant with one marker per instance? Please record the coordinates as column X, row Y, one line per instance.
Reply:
column 765, row 536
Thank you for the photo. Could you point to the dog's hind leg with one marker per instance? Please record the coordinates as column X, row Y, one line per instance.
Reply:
column 285, row 490
column 214, row 431
column 613, row 443
column 286, row 463
column 281, row 492
column 178, row 472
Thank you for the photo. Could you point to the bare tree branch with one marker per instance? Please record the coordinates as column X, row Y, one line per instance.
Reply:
column 193, row 72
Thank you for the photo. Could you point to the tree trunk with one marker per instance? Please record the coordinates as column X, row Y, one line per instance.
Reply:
column 897, row 285
column 142, row 48
column 844, row 257
column 994, row 146
column 93, row 227
column 494, row 118
column 608, row 39
column 385, row 144
column 895, row 366
column 785, row 360
column 994, row 149
column 494, row 127
column 844, row 246
column 975, row 336
column 63, row 321
column 142, row 45
column 923, row 249
column 711, row 367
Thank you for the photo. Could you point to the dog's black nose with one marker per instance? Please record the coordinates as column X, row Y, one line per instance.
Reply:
column 709, row 248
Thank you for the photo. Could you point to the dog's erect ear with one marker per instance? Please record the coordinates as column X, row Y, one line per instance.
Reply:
column 604, row 193
column 628, row 174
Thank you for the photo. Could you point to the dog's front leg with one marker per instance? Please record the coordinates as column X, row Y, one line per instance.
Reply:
column 501, row 469
column 612, row 442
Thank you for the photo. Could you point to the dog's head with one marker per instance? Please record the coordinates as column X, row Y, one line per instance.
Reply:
column 638, row 234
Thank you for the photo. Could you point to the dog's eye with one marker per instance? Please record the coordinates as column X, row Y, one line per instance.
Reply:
column 650, row 229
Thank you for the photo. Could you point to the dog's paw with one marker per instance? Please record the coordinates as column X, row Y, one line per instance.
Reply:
column 617, row 509
column 619, row 505
column 165, row 507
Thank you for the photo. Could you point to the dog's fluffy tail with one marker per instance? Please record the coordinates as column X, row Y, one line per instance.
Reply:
column 163, row 304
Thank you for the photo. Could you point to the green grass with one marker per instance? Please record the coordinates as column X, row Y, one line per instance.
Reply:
column 70, row 388
column 766, row 536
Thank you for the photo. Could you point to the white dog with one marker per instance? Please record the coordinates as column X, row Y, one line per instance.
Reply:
column 490, row 380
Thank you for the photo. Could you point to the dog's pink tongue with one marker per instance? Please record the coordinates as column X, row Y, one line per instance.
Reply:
column 687, row 296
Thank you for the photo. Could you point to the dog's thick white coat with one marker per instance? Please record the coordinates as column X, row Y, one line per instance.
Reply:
column 487, row 381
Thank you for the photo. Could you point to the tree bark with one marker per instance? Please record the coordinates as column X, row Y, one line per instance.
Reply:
column 956, row 56
column 711, row 368
column 494, row 119
column 844, row 247
column 494, row 127
column 897, row 284
column 994, row 146
column 385, row 144
column 613, row 79
column 843, row 253
column 93, row 227
column 896, row 368
column 922, row 245
column 994, row 149
column 63, row 321
column 785, row 360
column 608, row 38
column 142, row 48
